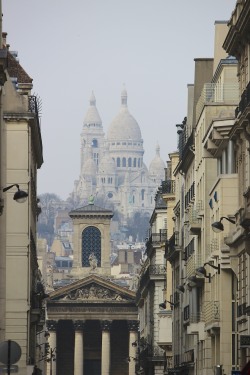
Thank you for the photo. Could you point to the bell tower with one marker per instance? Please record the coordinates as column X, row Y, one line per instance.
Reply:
column 91, row 240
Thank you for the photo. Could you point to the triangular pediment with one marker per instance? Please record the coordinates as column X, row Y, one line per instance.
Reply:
column 92, row 288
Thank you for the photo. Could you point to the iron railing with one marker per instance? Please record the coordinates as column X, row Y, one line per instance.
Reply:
column 217, row 93
column 244, row 102
column 168, row 187
column 212, row 312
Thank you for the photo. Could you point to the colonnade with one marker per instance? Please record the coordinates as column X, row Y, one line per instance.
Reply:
column 105, row 348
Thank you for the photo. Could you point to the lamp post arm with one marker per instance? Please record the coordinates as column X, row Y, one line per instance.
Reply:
column 215, row 267
column 231, row 220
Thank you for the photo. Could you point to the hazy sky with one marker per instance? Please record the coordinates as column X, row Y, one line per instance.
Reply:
column 70, row 48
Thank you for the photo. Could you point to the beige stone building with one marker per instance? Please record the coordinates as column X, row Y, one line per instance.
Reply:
column 21, row 290
column 236, row 237
column 154, row 295
column 204, row 340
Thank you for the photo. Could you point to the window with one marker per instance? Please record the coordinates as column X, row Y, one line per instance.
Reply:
column 96, row 158
column 124, row 162
column 118, row 162
column 91, row 243
column 129, row 162
column 142, row 194
column 94, row 143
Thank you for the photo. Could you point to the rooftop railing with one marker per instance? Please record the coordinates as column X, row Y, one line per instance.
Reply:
column 213, row 93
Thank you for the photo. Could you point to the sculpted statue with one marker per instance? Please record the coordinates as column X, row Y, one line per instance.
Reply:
column 92, row 261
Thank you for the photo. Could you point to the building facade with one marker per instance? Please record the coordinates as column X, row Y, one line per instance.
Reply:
column 93, row 321
column 204, row 339
column 21, row 290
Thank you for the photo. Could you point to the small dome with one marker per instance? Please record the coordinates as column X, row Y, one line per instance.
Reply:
column 157, row 165
column 89, row 168
column 107, row 166
column 124, row 126
column 92, row 116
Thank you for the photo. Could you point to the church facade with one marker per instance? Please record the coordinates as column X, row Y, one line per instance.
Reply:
column 93, row 321
column 112, row 167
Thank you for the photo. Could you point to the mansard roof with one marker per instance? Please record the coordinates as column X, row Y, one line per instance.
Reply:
column 15, row 70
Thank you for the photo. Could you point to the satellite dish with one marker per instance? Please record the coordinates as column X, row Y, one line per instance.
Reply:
column 10, row 352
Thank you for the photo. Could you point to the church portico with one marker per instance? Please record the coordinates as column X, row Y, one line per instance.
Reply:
column 92, row 324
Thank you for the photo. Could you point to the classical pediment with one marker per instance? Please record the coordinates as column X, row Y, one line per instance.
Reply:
column 92, row 288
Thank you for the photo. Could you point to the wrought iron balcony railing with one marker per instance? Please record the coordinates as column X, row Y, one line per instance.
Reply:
column 157, row 269
column 33, row 107
column 161, row 236
column 189, row 249
column 168, row 187
column 244, row 102
column 212, row 312
column 190, row 195
column 217, row 93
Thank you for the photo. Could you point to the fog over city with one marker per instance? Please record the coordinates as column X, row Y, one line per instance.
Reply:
column 73, row 48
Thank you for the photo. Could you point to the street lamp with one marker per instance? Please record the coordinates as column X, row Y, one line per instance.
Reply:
column 218, row 227
column 20, row 196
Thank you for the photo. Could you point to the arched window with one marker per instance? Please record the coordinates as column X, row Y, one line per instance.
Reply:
column 134, row 162
column 94, row 143
column 118, row 162
column 91, row 243
column 129, row 162
column 139, row 163
column 124, row 162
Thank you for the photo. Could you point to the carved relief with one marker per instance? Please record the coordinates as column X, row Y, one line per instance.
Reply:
column 133, row 325
column 93, row 292
column 79, row 325
column 51, row 325
column 105, row 325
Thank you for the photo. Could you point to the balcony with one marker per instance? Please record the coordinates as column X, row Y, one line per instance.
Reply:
column 157, row 270
column 196, row 325
column 186, row 142
column 212, row 315
column 156, row 239
column 195, row 221
column 168, row 187
column 171, row 247
column 187, row 357
column 244, row 102
column 216, row 93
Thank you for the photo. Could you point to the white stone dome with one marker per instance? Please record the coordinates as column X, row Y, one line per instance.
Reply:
column 107, row 166
column 124, row 126
column 157, row 165
column 92, row 116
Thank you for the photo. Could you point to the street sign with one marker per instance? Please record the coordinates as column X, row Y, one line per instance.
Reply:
column 4, row 368
column 10, row 352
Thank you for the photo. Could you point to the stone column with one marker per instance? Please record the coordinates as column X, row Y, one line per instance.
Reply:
column 78, row 353
column 51, row 358
column 105, row 325
column 133, row 345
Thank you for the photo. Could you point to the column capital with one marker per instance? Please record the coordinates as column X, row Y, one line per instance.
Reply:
column 79, row 325
column 51, row 325
column 105, row 325
column 133, row 325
